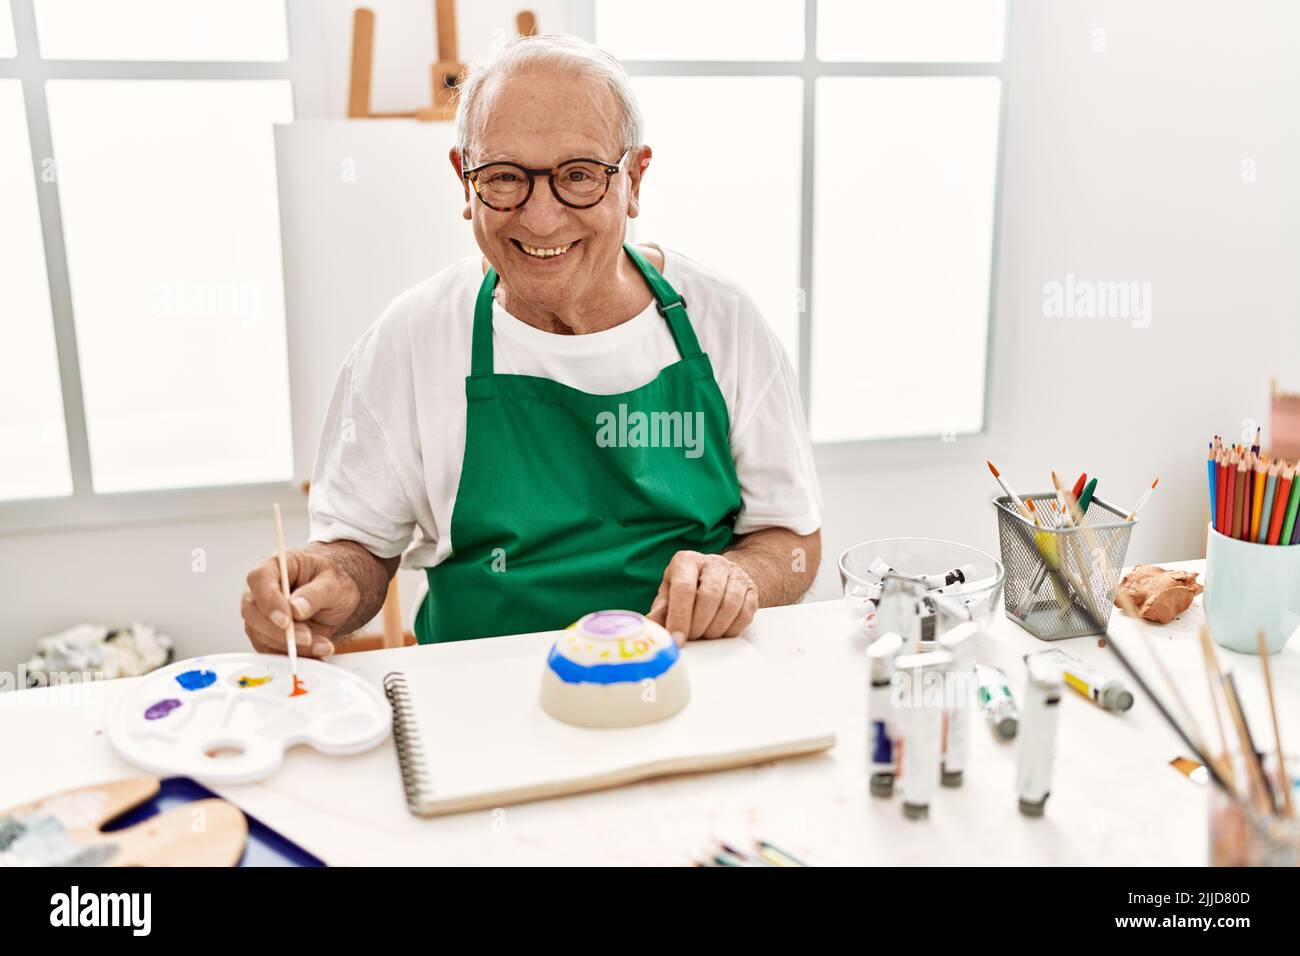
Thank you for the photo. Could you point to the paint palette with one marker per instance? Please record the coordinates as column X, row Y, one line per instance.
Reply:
column 229, row 718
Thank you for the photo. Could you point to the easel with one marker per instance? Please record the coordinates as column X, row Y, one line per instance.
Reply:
column 444, row 74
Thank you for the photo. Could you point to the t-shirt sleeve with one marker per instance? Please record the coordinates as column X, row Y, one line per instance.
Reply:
column 355, row 491
column 769, row 437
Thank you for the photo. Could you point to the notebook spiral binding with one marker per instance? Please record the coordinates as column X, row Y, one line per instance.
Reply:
column 410, row 758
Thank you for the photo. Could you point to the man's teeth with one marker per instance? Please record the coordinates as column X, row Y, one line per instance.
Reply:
column 541, row 252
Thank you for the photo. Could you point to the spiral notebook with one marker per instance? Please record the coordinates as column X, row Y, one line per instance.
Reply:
column 472, row 735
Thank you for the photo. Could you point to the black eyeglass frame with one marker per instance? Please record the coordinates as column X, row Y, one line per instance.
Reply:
column 550, row 172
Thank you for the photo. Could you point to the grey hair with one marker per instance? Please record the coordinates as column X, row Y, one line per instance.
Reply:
column 559, row 52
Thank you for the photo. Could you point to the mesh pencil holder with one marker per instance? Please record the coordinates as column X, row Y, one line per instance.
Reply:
column 1044, row 604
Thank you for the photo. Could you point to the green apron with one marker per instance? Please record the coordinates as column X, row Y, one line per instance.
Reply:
column 570, row 502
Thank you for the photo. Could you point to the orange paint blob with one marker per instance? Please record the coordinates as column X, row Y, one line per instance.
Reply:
column 298, row 688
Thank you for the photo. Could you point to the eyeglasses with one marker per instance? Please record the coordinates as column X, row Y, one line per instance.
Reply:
column 577, row 183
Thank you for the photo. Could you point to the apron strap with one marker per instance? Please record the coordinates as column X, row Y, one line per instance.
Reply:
column 670, row 304
column 480, row 362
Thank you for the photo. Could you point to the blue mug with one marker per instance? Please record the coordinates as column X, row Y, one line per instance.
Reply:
column 1251, row 587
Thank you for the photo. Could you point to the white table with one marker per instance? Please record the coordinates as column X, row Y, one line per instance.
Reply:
column 1115, row 799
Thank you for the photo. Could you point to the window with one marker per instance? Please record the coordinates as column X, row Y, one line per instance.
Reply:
column 163, row 30
column 857, row 202
column 7, row 47
column 35, row 450
column 136, row 149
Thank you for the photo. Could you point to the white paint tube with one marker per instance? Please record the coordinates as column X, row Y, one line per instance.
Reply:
column 1038, row 735
column 920, row 702
column 960, row 704
column 882, row 717
column 995, row 701
column 1109, row 693
column 953, row 579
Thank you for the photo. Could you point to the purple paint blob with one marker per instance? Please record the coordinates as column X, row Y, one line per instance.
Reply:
column 196, row 679
column 161, row 709
column 614, row 624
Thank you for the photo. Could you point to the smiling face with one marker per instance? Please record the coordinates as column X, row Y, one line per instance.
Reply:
column 552, row 258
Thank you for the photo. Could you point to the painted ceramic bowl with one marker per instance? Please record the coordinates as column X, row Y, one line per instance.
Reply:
column 614, row 669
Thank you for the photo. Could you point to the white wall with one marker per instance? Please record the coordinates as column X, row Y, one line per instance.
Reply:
column 1122, row 165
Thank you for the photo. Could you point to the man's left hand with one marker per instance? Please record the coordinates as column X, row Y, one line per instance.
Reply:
column 704, row 595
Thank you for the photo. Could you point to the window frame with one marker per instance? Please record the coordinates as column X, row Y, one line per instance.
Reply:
column 86, row 508
column 848, row 455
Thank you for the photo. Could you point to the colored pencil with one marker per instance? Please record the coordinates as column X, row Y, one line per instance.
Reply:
column 1085, row 498
column 1229, row 494
column 1143, row 500
column 1221, row 487
column 1257, row 504
column 1238, row 483
column 1288, row 524
column 1281, row 503
column 1270, row 492
column 1225, row 491
column 1209, row 471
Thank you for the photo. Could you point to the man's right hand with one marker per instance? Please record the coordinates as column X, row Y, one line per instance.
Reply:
column 322, row 598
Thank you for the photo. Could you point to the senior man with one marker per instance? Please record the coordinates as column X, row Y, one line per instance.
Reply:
column 566, row 423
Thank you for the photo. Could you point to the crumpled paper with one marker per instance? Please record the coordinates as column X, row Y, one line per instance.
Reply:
column 107, row 652
column 1159, row 595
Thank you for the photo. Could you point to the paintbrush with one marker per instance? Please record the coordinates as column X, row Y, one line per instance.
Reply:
column 1254, row 766
column 1283, row 778
column 777, row 856
column 1006, row 486
column 1215, row 678
column 1143, row 500
column 284, row 587
column 750, row 858
column 1096, row 621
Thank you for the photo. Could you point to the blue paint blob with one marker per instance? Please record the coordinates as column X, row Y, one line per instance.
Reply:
column 196, row 680
column 161, row 709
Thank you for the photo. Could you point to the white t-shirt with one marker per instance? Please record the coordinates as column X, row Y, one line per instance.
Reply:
column 394, row 438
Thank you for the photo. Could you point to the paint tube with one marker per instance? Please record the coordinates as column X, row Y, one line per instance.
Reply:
column 879, row 567
column 882, row 718
column 996, row 702
column 1038, row 736
column 899, row 612
column 861, row 601
column 949, row 580
column 960, row 643
column 1107, row 693
column 921, row 724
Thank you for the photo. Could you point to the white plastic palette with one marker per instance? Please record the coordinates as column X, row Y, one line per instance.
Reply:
column 229, row 718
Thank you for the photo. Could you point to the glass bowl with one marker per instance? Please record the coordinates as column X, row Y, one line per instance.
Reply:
column 976, row 598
